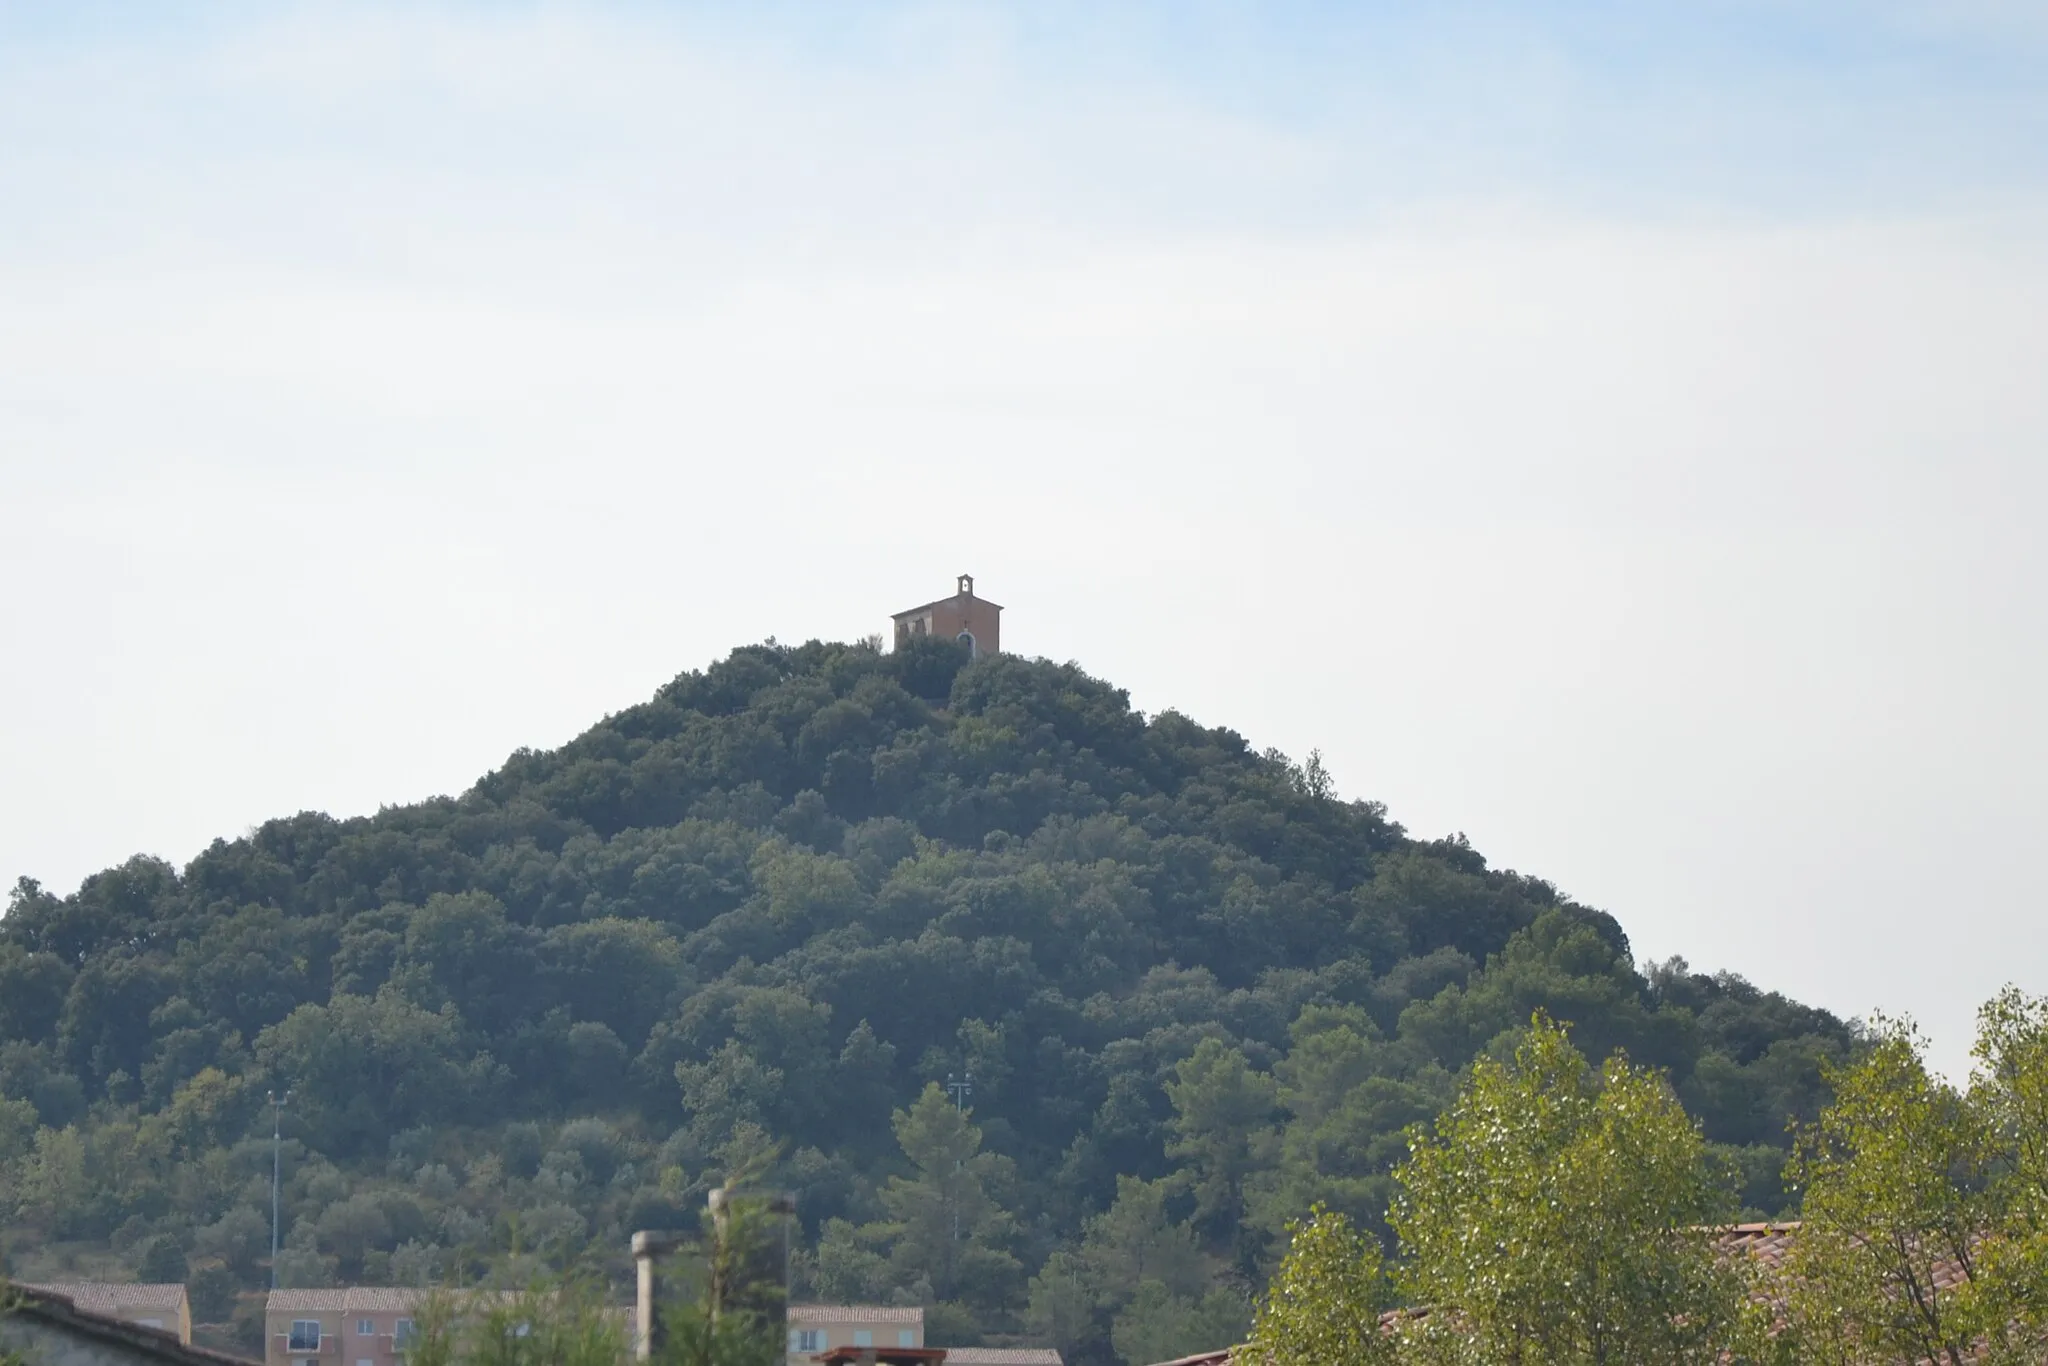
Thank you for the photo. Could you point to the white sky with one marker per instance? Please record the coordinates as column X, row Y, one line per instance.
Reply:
column 1621, row 441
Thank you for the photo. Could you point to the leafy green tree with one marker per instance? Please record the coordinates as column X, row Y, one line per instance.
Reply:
column 161, row 1261
column 1062, row 1305
column 461, row 950
column 360, row 1068
column 2010, row 1090
column 1158, row 1325
column 1921, row 1233
column 1349, row 1097
column 1324, row 1304
column 948, row 1229
column 33, row 987
column 1555, row 1215
column 1562, row 964
column 1135, row 1241
column 849, row 1269
column 565, row 1322
column 1223, row 1127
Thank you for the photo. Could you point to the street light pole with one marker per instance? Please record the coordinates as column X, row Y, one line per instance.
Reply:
column 276, row 1171
column 962, row 1087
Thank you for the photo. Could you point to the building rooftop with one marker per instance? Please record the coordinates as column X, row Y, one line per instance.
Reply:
column 964, row 588
column 107, row 1297
column 908, row 1316
column 62, row 1314
column 355, row 1299
column 1002, row 1356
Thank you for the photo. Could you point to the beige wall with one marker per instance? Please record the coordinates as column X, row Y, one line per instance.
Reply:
column 340, row 1343
column 178, row 1321
column 845, row 1334
column 946, row 620
column 954, row 615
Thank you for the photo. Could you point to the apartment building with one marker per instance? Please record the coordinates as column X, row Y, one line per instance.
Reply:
column 359, row 1326
column 815, row 1329
column 163, row 1307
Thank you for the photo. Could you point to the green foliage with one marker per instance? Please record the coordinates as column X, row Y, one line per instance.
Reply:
column 1222, row 1127
column 1158, row 1325
column 162, row 1262
column 1324, row 1304
column 948, row 1230
column 765, row 909
column 1924, row 1235
column 1555, row 1215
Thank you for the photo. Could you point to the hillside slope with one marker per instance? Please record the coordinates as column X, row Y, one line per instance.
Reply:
column 1194, row 990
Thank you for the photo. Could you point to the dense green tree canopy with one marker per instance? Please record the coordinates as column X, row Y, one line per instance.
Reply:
column 1197, row 990
column 1560, row 1215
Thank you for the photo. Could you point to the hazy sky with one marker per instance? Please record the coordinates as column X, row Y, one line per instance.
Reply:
column 1615, row 431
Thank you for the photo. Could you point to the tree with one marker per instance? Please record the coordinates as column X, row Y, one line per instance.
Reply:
column 161, row 1261
column 2011, row 1089
column 1922, row 1236
column 945, row 1223
column 1349, row 1098
column 1554, row 1215
column 363, row 1067
column 1061, row 1311
column 1134, row 1241
column 1222, row 1126
column 1158, row 1325
column 1323, row 1305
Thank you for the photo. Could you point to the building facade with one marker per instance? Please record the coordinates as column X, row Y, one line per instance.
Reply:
column 815, row 1329
column 165, row 1308
column 359, row 1326
column 974, row 622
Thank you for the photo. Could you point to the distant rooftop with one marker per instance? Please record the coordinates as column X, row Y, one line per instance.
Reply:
column 106, row 1297
column 366, row 1299
column 856, row 1313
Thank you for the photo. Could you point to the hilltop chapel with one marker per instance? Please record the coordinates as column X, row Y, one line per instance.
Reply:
column 974, row 622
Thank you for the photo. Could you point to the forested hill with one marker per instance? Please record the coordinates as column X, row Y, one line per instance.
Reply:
column 1195, row 989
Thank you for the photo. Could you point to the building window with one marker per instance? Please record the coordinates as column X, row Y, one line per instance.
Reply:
column 305, row 1336
column 807, row 1340
column 401, row 1335
column 366, row 1328
column 863, row 1338
column 906, row 1338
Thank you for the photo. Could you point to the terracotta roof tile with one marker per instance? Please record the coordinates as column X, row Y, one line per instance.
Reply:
column 910, row 1315
column 307, row 1302
column 107, row 1297
column 1767, row 1243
